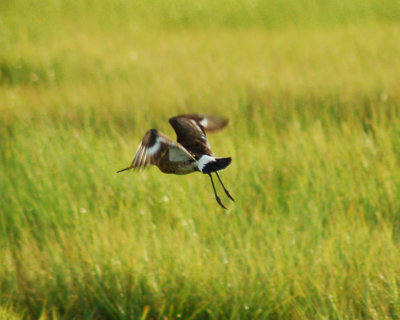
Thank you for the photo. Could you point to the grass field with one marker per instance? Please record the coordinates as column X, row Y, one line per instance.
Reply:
column 312, row 90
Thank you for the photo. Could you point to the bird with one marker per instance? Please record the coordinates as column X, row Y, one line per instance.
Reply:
column 190, row 153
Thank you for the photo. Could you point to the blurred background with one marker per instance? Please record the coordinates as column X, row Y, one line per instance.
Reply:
column 311, row 89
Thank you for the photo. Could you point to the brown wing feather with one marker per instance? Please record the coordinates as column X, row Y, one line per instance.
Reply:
column 191, row 131
column 212, row 123
column 152, row 148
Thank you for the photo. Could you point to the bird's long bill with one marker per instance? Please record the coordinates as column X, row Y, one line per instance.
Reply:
column 124, row 169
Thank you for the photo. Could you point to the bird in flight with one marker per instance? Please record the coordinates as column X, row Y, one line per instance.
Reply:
column 190, row 153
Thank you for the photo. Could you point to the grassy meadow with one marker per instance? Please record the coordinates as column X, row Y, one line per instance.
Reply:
column 312, row 90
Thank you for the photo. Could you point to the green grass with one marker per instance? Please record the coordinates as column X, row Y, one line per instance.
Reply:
column 312, row 92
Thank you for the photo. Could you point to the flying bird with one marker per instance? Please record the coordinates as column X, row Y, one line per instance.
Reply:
column 190, row 153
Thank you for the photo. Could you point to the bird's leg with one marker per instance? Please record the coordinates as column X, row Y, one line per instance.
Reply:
column 226, row 191
column 215, row 192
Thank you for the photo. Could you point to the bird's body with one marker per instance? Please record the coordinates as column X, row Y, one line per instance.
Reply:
column 176, row 167
column 190, row 153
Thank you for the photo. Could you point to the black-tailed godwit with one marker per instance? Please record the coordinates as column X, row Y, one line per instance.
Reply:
column 189, row 154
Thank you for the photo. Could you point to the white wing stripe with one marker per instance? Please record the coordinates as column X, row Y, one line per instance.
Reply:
column 154, row 148
column 204, row 122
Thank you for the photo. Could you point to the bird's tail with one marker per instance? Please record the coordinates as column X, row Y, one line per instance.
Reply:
column 209, row 164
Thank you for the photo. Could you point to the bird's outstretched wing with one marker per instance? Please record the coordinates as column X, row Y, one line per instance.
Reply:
column 153, row 147
column 191, row 131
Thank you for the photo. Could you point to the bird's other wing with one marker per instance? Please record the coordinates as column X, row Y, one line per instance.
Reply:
column 153, row 147
column 191, row 131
